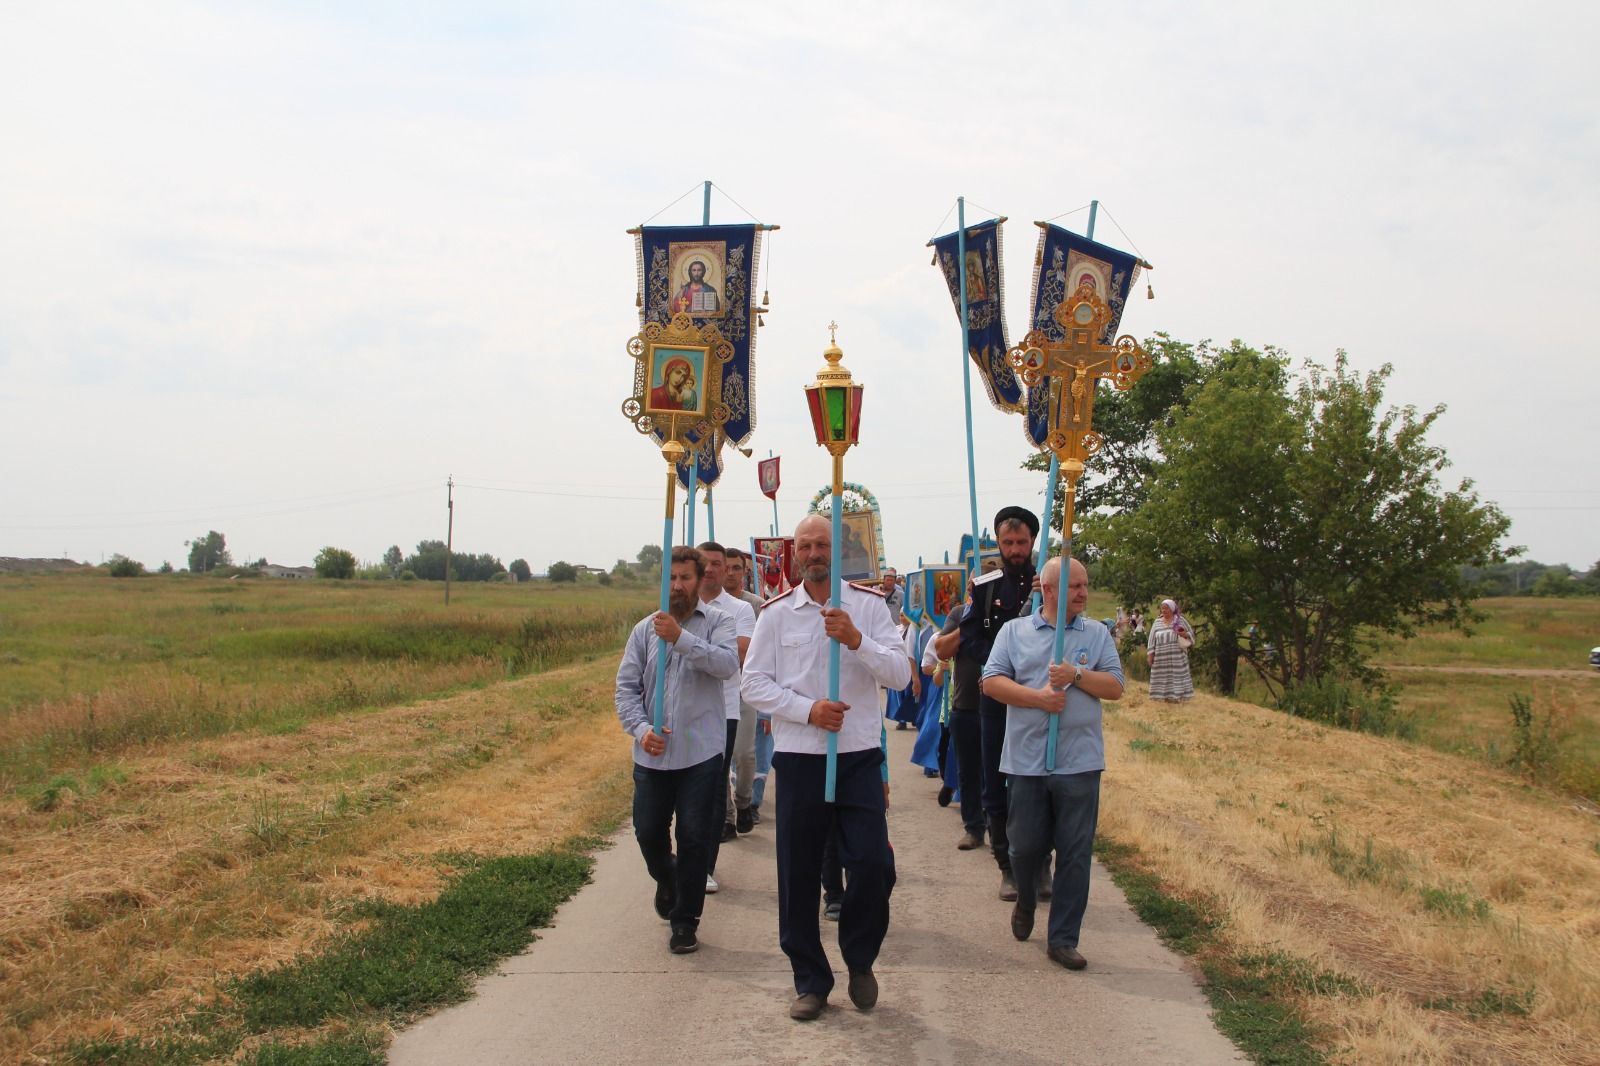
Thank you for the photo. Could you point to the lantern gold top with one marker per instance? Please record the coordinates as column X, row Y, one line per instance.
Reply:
column 833, row 372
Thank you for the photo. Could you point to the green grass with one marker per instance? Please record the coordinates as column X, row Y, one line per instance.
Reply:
column 97, row 665
column 401, row 961
column 1524, row 632
column 1254, row 996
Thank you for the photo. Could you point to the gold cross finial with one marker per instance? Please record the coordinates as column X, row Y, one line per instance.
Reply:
column 833, row 328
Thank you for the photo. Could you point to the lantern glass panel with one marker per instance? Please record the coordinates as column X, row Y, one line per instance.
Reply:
column 818, row 423
column 836, row 399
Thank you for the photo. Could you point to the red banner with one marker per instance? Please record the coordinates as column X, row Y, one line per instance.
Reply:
column 767, row 471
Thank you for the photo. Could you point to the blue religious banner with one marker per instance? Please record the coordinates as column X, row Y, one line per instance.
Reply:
column 1065, row 262
column 709, row 274
column 986, row 321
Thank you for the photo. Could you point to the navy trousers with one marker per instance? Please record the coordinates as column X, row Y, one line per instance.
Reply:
column 727, row 762
column 692, row 796
column 1057, row 811
column 804, row 821
column 969, row 768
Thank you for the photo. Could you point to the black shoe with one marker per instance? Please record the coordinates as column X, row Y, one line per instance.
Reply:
column 901, row 726
column 1067, row 957
column 744, row 822
column 729, row 832
column 683, row 942
column 755, row 815
column 864, row 990
column 1021, row 922
column 946, row 794
column 807, row 1008
column 666, row 898
column 831, row 911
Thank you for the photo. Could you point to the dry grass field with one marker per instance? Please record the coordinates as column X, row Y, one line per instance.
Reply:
column 1427, row 907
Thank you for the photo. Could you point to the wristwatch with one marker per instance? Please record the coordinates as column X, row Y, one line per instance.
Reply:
column 1077, row 674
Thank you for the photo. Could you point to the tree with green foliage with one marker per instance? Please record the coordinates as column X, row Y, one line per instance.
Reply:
column 122, row 566
column 1558, row 580
column 395, row 560
column 649, row 555
column 1308, row 511
column 164, row 568
column 334, row 562
column 521, row 568
column 562, row 571
column 209, row 552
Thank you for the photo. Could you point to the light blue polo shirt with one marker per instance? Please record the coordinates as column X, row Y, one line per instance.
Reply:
column 1023, row 651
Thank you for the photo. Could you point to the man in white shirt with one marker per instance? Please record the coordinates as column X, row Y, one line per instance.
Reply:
column 786, row 677
column 744, row 624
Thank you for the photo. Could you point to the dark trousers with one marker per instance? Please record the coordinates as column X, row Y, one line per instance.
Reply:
column 832, row 869
column 804, row 822
column 969, row 767
column 727, row 763
column 1057, row 811
column 692, row 796
column 992, row 734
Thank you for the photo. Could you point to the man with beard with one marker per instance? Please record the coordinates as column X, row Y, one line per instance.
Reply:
column 1054, row 806
column 996, row 598
column 786, row 678
column 678, row 772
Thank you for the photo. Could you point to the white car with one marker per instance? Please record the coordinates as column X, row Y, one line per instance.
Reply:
column 1594, row 658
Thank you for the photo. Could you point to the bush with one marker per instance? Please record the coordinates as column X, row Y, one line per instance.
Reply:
column 334, row 562
column 604, row 579
column 122, row 566
column 1338, row 702
column 1536, row 740
column 166, row 568
column 521, row 568
column 408, row 575
column 563, row 571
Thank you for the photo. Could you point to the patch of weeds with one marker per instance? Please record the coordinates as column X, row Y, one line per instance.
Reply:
column 227, row 608
column 49, row 797
column 1349, row 705
column 287, row 727
column 267, row 822
column 1536, row 740
column 1369, row 862
column 1454, row 903
column 1252, row 994
column 1484, row 1003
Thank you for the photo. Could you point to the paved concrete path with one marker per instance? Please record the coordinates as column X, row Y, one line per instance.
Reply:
column 601, row 987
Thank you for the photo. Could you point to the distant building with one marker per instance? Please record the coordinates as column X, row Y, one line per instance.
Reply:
column 299, row 573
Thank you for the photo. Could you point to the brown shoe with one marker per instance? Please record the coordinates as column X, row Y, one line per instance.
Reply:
column 1008, row 886
column 807, row 1008
column 864, row 990
column 969, row 841
column 1021, row 922
column 1067, row 957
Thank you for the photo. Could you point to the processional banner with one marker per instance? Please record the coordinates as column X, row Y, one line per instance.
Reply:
column 987, row 343
column 708, row 273
column 767, row 473
column 1065, row 261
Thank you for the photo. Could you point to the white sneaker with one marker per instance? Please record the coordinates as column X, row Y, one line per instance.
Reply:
column 711, row 885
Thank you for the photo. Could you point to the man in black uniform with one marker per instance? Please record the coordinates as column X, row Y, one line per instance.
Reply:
column 996, row 598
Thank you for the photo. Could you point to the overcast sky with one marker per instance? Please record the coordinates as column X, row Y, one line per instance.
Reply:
column 280, row 269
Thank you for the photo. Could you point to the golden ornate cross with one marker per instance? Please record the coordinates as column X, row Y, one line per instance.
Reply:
column 833, row 328
column 1074, row 365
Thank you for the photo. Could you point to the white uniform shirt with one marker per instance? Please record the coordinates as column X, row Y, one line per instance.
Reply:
column 744, row 625
column 786, row 669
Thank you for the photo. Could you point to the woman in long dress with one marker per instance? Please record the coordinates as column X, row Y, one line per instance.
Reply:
column 1167, row 651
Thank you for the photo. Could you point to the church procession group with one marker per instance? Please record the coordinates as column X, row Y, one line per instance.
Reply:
column 723, row 687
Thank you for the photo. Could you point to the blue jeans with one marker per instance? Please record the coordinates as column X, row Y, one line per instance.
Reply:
column 694, row 796
column 763, row 765
column 1057, row 811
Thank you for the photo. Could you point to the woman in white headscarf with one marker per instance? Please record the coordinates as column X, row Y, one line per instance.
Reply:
column 1167, row 650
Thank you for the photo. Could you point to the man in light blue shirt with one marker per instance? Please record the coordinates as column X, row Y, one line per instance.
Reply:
column 678, row 772
column 1053, row 806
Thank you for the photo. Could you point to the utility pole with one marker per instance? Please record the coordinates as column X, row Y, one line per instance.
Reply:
column 449, row 531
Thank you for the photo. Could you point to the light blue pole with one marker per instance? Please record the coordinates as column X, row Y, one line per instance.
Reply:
column 1066, row 556
column 966, row 374
column 666, row 602
column 836, row 600
column 688, row 503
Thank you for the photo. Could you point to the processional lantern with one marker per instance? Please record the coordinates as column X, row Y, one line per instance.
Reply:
column 835, row 403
